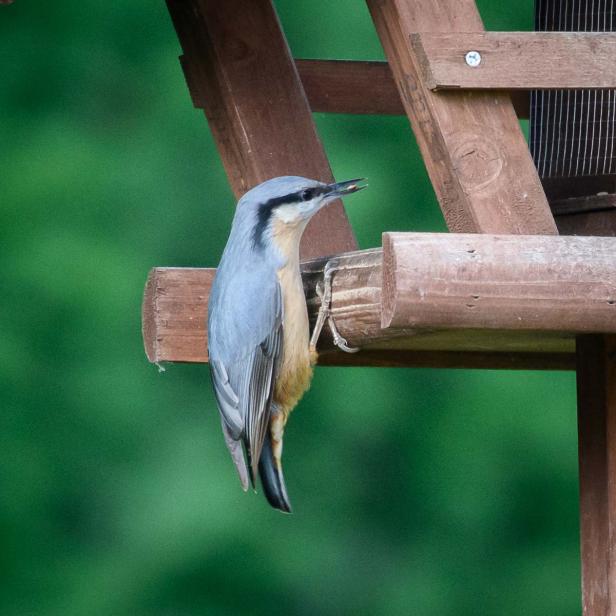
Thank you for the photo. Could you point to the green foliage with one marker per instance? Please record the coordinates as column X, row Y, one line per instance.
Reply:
column 416, row 491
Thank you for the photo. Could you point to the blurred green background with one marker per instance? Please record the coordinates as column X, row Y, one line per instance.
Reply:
column 421, row 492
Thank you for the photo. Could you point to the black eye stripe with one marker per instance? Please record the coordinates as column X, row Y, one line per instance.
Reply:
column 267, row 208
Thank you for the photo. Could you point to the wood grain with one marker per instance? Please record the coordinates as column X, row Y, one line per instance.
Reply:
column 529, row 297
column 596, row 374
column 237, row 61
column 503, row 282
column 474, row 150
column 349, row 86
column 517, row 60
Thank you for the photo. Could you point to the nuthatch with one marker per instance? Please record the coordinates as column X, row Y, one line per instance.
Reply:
column 260, row 354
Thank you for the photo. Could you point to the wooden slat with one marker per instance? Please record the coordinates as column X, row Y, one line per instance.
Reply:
column 517, row 60
column 350, row 86
column 347, row 86
column 512, row 295
column 474, row 150
column 237, row 59
column 596, row 373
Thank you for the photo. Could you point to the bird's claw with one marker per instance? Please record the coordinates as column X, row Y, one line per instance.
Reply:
column 324, row 292
column 339, row 340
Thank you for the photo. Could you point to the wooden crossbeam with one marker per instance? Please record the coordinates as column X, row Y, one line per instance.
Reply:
column 478, row 300
column 236, row 58
column 471, row 142
column 517, row 60
column 347, row 86
column 356, row 87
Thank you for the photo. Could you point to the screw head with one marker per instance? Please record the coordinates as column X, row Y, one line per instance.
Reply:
column 473, row 58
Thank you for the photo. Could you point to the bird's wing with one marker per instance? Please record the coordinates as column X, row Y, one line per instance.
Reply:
column 244, row 379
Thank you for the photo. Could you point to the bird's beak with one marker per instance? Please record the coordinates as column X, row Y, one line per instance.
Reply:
column 340, row 189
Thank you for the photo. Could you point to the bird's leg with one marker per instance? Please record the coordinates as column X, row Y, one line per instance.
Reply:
column 325, row 294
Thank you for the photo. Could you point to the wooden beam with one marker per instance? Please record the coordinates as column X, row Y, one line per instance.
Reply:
column 519, row 301
column 348, row 86
column 474, row 150
column 237, row 59
column 502, row 282
column 356, row 87
column 517, row 60
column 596, row 373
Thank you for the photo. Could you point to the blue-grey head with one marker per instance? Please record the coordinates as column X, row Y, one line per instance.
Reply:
column 284, row 205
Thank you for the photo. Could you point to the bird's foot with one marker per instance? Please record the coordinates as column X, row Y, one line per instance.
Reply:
column 324, row 291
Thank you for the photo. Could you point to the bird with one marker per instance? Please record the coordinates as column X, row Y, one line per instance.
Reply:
column 260, row 352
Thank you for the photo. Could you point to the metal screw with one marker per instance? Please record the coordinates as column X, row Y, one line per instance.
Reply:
column 473, row 58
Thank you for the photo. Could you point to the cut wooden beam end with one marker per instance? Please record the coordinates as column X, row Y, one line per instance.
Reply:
column 148, row 317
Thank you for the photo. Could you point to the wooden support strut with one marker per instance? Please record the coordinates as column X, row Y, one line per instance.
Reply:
column 517, row 60
column 520, row 300
column 471, row 142
column 236, row 57
column 596, row 372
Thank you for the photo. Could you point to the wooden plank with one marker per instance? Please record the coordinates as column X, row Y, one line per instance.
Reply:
column 512, row 295
column 474, row 150
column 349, row 86
column 596, row 373
column 175, row 313
column 237, row 59
column 517, row 60
column 502, row 282
column 356, row 87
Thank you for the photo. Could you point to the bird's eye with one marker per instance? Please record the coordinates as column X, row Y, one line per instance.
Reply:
column 307, row 194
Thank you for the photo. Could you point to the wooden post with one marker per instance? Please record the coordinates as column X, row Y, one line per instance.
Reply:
column 596, row 373
column 237, row 62
column 474, row 150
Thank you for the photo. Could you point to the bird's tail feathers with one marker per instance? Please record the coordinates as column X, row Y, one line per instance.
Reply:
column 272, row 479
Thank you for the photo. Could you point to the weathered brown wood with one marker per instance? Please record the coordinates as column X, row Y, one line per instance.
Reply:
column 506, row 282
column 583, row 205
column 175, row 309
column 596, row 374
column 593, row 215
column 237, row 60
column 474, row 150
column 499, row 360
column 512, row 295
column 517, row 60
column 590, row 223
column 349, row 86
